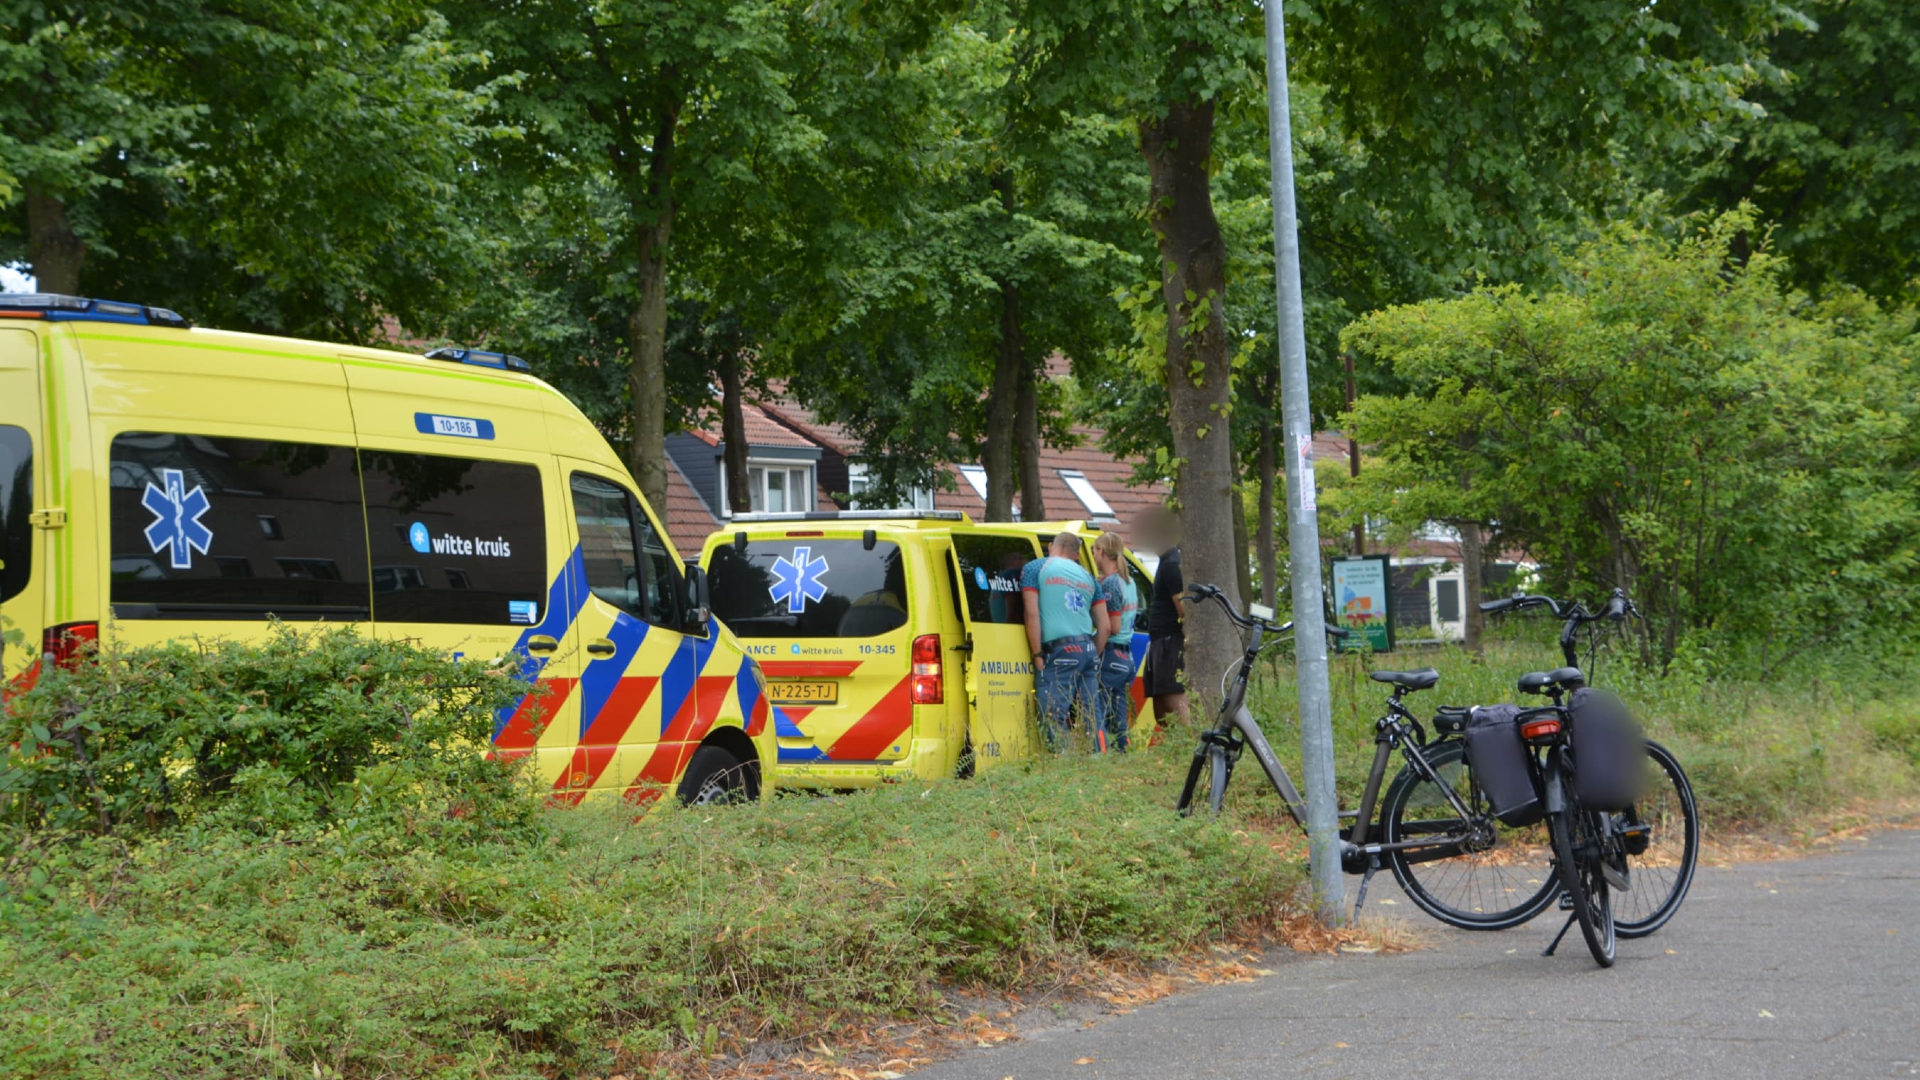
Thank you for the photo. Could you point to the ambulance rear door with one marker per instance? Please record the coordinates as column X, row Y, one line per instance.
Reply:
column 999, row 667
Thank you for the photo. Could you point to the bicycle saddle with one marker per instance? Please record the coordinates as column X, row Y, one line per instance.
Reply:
column 1407, row 681
column 1540, row 682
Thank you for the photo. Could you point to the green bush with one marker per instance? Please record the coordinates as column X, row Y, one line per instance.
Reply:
column 212, row 952
column 300, row 728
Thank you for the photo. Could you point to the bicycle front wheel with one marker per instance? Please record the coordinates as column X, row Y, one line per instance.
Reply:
column 1669, row 824
column 1492, row 876
column 1577, row 842
column 1206, row 779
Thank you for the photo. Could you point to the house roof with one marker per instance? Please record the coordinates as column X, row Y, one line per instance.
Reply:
column 686, row 517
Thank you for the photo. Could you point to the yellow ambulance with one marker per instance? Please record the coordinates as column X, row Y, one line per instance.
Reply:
column 894, row 642
column 159, row 481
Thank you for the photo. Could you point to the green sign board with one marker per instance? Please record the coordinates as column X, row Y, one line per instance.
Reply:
column 1363, row 602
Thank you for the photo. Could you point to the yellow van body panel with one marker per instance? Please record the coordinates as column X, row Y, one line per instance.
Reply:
column 624, row 718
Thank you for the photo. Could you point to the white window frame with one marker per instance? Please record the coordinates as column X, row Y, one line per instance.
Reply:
column 1096, row 504
column 918, row 498
column 766, row 465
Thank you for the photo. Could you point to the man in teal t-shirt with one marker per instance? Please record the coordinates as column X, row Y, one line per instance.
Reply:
column 1067, row 629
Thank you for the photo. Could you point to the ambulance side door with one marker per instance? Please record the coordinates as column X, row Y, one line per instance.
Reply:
column 999, row 663
column 642, row 711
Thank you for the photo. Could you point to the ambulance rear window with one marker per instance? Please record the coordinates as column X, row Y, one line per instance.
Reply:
column 16, row 506
column 808, row 588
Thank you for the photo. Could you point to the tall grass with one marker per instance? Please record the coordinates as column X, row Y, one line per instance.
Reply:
column 1837, row 730
column 215, row 953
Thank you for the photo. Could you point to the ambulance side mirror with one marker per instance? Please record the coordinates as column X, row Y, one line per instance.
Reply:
column 697, row 610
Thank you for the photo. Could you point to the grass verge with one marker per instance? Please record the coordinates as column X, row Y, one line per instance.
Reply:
column 604, row 945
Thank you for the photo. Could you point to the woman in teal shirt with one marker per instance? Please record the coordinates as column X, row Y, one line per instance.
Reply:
column 1116, row 662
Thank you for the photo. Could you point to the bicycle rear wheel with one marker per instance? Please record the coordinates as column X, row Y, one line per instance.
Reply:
column 1499, row 876
column 1206, row 779
column 1663, row 871
column 1577, row 836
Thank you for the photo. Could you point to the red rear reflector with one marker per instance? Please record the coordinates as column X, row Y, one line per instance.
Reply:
column 806, row 532
column 1539, row 729
column 67, row 642
column 929, row 688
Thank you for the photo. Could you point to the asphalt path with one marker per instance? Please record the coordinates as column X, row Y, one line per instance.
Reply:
column 1800, row 969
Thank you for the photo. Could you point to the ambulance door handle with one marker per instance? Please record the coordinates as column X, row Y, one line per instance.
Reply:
column 601, row 647
column 541, row 643
column 965, row 647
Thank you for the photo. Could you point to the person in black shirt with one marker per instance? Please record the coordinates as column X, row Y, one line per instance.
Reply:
column 1166, row 636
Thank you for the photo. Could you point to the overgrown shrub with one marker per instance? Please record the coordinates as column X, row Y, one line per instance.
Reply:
column 216, row 953
column 301, row 728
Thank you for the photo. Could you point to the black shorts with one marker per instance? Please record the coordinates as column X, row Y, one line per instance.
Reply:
column 1165, row 657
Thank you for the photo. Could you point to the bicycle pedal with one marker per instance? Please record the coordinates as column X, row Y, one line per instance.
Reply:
column 1635, row 839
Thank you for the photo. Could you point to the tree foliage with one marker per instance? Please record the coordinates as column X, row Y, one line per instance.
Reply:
column 1664, row 420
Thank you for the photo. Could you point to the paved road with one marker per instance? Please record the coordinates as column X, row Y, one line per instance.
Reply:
column 1805, row 969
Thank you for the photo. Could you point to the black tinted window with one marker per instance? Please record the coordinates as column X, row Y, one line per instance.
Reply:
column 215, row 528
column 16, row 506
column 455, row 540
column 808, row 588
column 627, row 564
column 990, row 575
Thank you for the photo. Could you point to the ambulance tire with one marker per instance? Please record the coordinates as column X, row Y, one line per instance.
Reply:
column 715, row 776
column 963, row 769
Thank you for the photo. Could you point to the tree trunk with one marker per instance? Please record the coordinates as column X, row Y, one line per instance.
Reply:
column 1269, row 555
column 1473, row 562
column 53, row 248
column 1242, row 544
column 647, row 327
column 733, row 436
column 1003, row 398
column 1026, row 435
column 1179, row 150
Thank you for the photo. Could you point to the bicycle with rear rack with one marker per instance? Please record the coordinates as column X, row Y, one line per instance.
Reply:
column 1448, row 846
column 1625, row 859
column 1436, row 830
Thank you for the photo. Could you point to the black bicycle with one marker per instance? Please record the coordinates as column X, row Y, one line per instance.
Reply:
column 1436, row 828
column 1625, row 873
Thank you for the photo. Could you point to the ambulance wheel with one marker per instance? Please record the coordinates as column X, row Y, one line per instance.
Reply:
column 963, row 769
column 715, row 776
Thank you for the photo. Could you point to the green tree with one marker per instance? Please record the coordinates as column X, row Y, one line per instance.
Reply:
column 279, row 166
column 1740, row 461
column 643, row 118
column 1834, row 162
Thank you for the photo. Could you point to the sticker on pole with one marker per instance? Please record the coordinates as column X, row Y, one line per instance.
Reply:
column 1309, row 499
column 797, row 580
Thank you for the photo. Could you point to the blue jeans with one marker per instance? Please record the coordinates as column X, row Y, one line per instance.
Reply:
column 1116, row 695
column 1068, row 679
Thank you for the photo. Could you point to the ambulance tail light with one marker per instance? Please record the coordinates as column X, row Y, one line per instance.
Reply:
column 64, row 645
column 929, row 686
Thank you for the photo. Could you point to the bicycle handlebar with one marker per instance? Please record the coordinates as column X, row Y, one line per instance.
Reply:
column 1618, row 606
column 1212, row 592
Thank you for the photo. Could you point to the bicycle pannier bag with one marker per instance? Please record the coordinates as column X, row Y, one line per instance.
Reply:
column 1609, row 751
column 1498, row 758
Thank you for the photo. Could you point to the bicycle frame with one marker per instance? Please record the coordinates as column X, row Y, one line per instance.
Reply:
column 1237, row 729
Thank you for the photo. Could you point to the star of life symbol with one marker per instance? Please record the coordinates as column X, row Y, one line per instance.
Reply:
column 176, row 519
column 797, row 581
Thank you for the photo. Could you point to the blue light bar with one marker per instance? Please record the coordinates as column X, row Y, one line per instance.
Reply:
column 482, row 358
column 54, row 307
